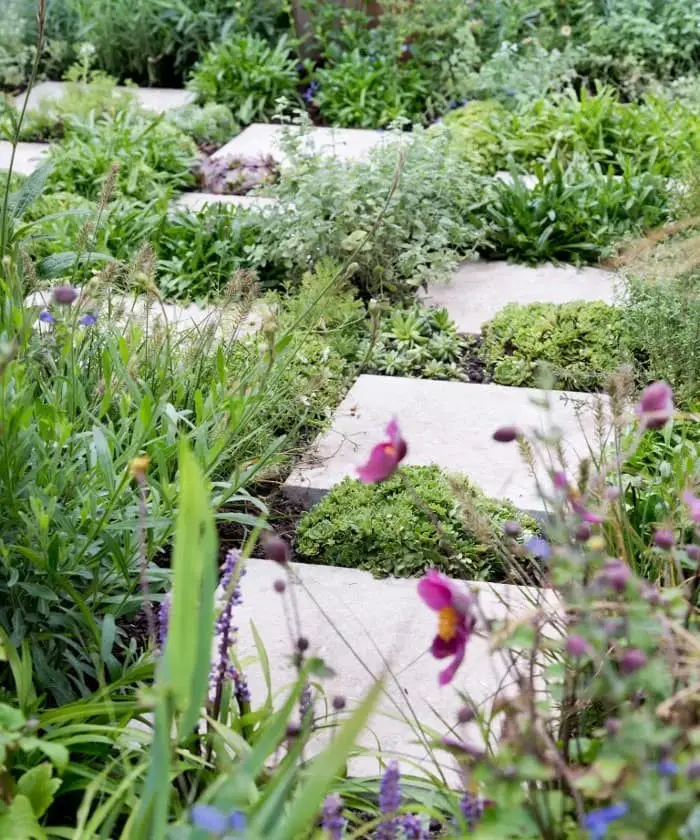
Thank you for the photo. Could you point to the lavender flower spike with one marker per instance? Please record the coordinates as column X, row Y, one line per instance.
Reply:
column 163, row 620
column 225, row 633
column 332, row 820
column 389, row 803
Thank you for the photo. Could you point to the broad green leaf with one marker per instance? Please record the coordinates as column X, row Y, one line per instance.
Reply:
column 39, row 786
column 30, row 190
column 18, row 822
column 56, row 265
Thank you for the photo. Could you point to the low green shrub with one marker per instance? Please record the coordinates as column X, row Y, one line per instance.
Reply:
column 476, row 134
column 660, row 329
column 209, row 125
column 578, row 343
column 573, row 213
column 152, row 155
column 383, row 529
column 415, row 342
column 248, row 75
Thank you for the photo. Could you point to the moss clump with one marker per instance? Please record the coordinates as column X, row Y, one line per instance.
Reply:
column 382, row 528
column 578, row 343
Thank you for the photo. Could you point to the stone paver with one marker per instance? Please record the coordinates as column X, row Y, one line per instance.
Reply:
column 262, row 139
column 445, row 423
column 196, row 201
column 27, row 158
column 226, row 323
column 478, row 290
column 383, row 622
column 507, row 178
column 157, row 100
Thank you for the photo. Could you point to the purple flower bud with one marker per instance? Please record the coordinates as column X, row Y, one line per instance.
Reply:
column 46, row 317
column 472, row 807
column 663, row 539
column 507, row 434
column 613, row 727
column 280, row 586
column 616, row 574
column 511, row 528
column 583, row 532
column 560, row 481
column 293, row 730
column 632, row 660
column 339, row 702
column 412, row 827
column 612, row 493
column 389, row 802
column 88, row 320
column 465, row 715
column 693, row 503
column 693, row 770
column 667, row 767
column 656, row 405
column 302, row 644
column 693, row 552
column 64, row 295
column 275, row 548
column 577, row 646
column 332, row 821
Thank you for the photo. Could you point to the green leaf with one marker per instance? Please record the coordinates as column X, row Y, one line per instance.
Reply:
column 39, row 786
column 324, row 770
column 264, row 664
column 30, row 190
column 18, row 821
column 56, row 265
column 56, row 753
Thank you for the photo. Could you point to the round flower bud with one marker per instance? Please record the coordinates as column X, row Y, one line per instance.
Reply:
column 465, row 715
column 576, row 646
column 511, row 528
column 339, row 703
column 632, row 660
column 275, row 548
column 663, row 539
column 64, row 295
column 583, row 532
column 280, row 586
column 507, row 434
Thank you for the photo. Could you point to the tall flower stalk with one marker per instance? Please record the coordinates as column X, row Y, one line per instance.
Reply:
column 223, row 670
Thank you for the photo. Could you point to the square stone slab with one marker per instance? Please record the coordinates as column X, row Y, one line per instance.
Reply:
column 263, row 139
column 445, row 423
column 157, row 100
column 196, row 201
column 360, row 627
column 27, row 158
column 478, row 290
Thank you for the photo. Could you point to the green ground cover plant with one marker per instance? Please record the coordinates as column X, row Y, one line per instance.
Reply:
column 578, row 344
column 389, row 528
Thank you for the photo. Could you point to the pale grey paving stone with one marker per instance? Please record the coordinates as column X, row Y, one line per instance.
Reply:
column 181, row 319
column 196, row 201
column 478, row 290
column 384, row 623
column 507, row 178
column 263, row 139
column 445, row 423
column 157, row 100
column 27, row 158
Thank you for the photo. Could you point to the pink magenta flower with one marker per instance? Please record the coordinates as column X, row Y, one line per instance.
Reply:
column 385, row 457
column 693, row 503
column 455, row 619
column 656, row 405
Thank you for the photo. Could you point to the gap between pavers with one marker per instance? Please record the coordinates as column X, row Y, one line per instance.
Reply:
column 263, row 139
column 479, row 290
column 445, row 423
column 369, row 624
column 27, row 158
column 157, row 100
column 225, row 323
column 196, row 201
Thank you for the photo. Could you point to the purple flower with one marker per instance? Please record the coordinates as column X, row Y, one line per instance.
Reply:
column 511, row 528
column 632, row 660
column 560, row 480
column 667, row 767
column 693, row 503
column 306, row 704
column 586, row 515
column 332, row 820
column 413, row 827
column 225, row 633
column 311, row 91
column 163, row 620
column 389, row 802
column 656, row 405
column 384, row 457
column 216, row 822
column 615, row 574
column 693, row 552
column 88, row 320
column 472, row 807
column 663, row 539
column 64, row 295
column 597, row 822
column 539, row 547
column 240, row 684
column 46, row 317
column 577, row 646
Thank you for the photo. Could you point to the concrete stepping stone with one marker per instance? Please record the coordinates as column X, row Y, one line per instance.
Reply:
column 262, row 139
column 196, row 201
column 27, row 158
column 383, row 622
column 478, row 290
column 125, row 310
column 445, row 423
column 157, row 100
column 507, row 178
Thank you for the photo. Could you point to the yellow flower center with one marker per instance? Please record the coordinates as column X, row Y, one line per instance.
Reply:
column 448, row 622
